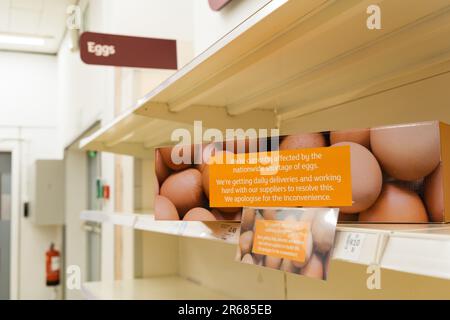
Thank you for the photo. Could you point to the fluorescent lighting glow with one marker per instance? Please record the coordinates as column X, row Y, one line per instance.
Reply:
column 21, row 40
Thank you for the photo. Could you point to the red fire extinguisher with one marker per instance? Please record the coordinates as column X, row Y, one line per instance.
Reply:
column 52, row 266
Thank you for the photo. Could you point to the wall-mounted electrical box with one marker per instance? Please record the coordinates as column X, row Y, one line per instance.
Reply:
column 47, row 192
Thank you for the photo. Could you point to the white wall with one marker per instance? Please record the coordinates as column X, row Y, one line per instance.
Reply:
column 27, row 118
column 89, row 93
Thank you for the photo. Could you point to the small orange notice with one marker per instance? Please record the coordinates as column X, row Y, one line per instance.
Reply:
column 281, row 239
column 316, row 177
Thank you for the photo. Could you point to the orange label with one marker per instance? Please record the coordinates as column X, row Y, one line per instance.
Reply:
column 307, row 177
column 282, row 239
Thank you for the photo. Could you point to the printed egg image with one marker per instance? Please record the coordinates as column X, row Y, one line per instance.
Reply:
column 165, row 209
column 323, row 230
column 272, row 262
column 269, row 214
column 229, row 209
column 221, row 215
column 246, row 242
column 248, row 259
column 238, row 255
column 303, row 140
column 308, row 251
column 156, row 186
column 199, row 214
column 189, row 181
column 248, row 219
column 161, row 170
column 326, row 265
column 221, row 157
column 182, row 152
column 366, row 175
column 258, row 258
column 343, row 217
column 288, row 266
column 434, row 195
column 206, row 152
column 407, row 152
column 361, row 136
column 314, row 268
column 396, row 204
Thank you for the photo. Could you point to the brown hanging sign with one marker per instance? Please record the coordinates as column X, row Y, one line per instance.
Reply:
column 216, row 5
column 126, row 51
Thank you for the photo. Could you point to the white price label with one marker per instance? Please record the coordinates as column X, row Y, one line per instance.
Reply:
column 352, row 245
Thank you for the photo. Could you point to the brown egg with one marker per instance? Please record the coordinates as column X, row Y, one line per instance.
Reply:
column 314, row 268
column 221, row 156
column 258, row 216
column 235, row 216
column 156, row 186
column 229, row 209
column 257, row 258
column 184, row 189
column 225, row 216
column 343, row 217
column 199, row 214
column 246, row 145
column 308, row 251
column 367, row 178
column 248, row 219
column 303, row 140
column 247, row 258
column 323, row 230
column 395, row 204
column 162, row 171
column 272, row 262
column 434, row 195
column 246, row 241
column 165, row 209
column 238, row 255
column 217, row 214
column 407, row 152
column 288, row 266
column 359, row 136
column 269, row 214
column 326, row 265
column 166, row 154
column 206, row 152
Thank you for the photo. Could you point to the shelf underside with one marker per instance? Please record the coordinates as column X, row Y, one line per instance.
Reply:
column 288, row 60
column 422, row 249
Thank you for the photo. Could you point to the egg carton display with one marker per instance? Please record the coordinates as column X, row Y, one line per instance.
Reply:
column 295, row 240
column 399, row 174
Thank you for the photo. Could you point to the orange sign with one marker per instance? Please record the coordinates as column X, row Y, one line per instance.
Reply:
column 316, row 177
column 281, row 239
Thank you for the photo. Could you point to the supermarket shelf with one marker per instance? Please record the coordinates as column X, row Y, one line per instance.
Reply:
column 160, row 288
column 257, row 74
column 217, row 231
column 414, row 248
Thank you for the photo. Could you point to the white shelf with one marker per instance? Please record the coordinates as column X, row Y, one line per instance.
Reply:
column 284, row 62
column 159, row 288
column 414, row 248
column 217, row 231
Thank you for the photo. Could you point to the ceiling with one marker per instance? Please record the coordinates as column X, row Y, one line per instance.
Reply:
column 37, row 18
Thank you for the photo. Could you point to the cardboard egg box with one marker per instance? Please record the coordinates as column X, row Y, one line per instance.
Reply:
column 399, row 174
